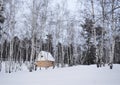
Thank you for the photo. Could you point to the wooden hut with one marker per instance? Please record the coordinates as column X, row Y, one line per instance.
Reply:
column 45, row 59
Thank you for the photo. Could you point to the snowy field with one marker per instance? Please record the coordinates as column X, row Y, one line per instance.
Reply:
column 77, row 75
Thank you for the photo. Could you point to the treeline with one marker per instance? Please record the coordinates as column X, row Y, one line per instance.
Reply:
column 64, row 54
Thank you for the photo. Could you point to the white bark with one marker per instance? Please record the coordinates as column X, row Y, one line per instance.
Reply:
column 34, row 21
column 12, row 26
column 94, row 30
column 113, row 30
column 103, row 25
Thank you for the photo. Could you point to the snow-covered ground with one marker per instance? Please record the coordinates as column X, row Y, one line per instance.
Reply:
column 77, row 75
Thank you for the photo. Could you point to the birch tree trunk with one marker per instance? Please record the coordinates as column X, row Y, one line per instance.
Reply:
column 33, row 31
column 33, row 25
column 112, row 38
column 12, row 26
column 103, row 24
column 94, row 30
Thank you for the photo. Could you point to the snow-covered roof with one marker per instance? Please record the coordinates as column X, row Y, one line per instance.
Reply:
column 43, row 55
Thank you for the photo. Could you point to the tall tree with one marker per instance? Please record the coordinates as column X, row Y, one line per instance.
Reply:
column 112, row 35
column 1, row 27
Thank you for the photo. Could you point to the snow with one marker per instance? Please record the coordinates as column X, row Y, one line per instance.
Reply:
column 77, row 75
column 43, row 55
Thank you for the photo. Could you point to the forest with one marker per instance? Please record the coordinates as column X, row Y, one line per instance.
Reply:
column 84, row 34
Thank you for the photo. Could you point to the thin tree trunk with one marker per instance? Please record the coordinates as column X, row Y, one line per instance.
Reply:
column 11, row 30
column 103, row 24
column 113, row 40
column 94, row 30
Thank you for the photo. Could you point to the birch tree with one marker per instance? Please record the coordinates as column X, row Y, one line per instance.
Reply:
column 37, row 23
column 34, row 16
column 1, row 27
column 11, row 27
column 112, row 35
